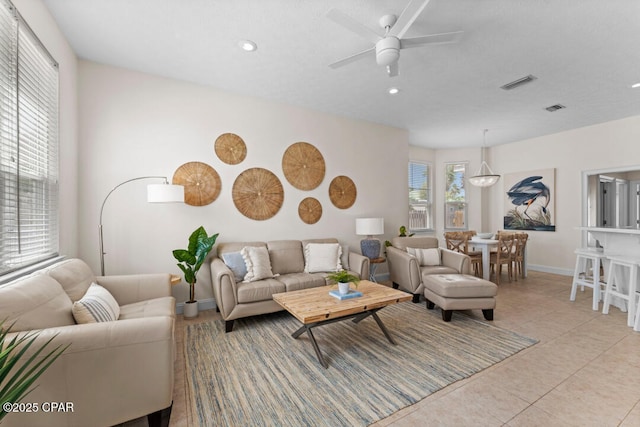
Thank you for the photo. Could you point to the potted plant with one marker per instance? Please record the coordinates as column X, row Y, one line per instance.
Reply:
column 190, row 260
column 14, row 385
column 343, row 278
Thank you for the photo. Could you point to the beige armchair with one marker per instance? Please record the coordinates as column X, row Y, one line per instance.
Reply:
column 405, row 271
column 112, row 372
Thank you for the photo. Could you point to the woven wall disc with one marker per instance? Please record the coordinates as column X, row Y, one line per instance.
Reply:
column 303, row 166
column 258, row 194
column 310, row 210
column 230, row 148
column 201, row 183
column 342, row 192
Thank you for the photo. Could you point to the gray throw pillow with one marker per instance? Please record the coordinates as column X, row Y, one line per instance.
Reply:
column 236, row 264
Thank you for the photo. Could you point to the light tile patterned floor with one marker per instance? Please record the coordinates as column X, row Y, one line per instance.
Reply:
column 585, row 371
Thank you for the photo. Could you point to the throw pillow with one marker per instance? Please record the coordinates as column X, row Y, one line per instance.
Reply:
column 97, row 305
column 344, row 258
column 236, row 264
column 257, row 262
column 320, row 257
column 426, row 257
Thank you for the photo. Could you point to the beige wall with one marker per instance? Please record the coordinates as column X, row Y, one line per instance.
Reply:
column 609, row 145
column 43, row 25
column 134, row 124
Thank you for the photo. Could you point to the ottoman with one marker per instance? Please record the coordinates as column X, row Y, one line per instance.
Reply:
column 460, row 292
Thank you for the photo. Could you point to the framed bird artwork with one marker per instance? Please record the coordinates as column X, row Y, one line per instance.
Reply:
column 529, row 200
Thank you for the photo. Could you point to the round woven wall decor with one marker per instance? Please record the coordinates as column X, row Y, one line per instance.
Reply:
column 310, row 210
column 201, row 183
column 258, row 194
column 303, row 166
column 342, row 192
column 230, row 148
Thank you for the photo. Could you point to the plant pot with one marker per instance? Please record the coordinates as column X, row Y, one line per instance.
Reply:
column 343, row 288
column 190, row 309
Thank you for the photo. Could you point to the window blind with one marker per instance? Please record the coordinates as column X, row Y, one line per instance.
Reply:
column 28, row 145
column 420, row 217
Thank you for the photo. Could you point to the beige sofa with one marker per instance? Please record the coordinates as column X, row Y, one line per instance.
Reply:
column 407, row 274
column 236, row 299
column 113, row 371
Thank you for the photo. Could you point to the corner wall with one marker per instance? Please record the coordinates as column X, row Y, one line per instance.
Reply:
column 134, row 124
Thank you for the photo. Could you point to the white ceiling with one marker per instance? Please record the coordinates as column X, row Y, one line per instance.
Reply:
column 584, row 53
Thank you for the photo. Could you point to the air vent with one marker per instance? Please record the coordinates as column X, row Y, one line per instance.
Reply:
column 555, row 108
column 517, row 83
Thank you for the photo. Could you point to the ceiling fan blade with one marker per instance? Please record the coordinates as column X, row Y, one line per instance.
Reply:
column 443, row 38
column 352, row 58
column 352, row 25
column 392, row 70
column 406, row 18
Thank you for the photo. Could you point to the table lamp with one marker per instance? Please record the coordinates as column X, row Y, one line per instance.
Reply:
column 369, row 227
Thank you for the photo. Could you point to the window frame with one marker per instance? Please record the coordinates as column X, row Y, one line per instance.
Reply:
column 451, row 207
column 427, row 206
column 29, row 147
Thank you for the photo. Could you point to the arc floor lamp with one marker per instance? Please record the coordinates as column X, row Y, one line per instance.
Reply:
column 156, row 193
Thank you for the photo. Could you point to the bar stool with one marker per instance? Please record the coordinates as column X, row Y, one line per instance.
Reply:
column 617, row 267
column 581, row 274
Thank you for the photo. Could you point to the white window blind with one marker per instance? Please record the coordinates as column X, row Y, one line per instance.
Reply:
column 455, row 203
column 28, row 145
column 420, row 217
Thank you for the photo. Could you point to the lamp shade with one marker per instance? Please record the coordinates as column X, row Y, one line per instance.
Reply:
column 484, row 180
column 165, row 193
column 369, row 226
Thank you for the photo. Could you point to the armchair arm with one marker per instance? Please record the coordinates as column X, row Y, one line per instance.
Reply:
column 359, row 264
column 224, row 287
column 403, row 270
column 132, row 288
column 457, row 260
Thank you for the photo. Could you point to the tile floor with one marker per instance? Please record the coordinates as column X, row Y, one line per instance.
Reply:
column 585, row 371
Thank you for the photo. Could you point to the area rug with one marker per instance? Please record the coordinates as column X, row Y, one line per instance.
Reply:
column 258, row 375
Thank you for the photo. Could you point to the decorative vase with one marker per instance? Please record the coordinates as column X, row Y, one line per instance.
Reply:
column 343, row 288
column 190, row 309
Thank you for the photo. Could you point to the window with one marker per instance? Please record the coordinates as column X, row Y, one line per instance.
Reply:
column 420, row 217
column 28, row 145
column 455, row 204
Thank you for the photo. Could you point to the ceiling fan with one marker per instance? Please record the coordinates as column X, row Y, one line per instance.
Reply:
column 387, row 46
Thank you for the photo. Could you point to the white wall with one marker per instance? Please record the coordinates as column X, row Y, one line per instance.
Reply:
column 43, row 25
column 134, row 124
column 608, row 145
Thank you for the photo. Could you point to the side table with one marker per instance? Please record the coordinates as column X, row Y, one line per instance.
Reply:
column 175, row 279
column 373, row 266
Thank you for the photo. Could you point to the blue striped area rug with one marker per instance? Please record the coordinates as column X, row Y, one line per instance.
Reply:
column 258, row 375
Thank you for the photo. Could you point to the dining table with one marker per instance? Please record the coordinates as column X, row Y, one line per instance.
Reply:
column 486, row 245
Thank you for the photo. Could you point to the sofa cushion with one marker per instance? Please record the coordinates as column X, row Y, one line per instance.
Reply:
column 164, row 306
column 258, row 263
column 74, row 276
column 322, row 257
column 297, row 281
column 35, row 302
column 426, row 257
column 286, row 256
column 261, row 290
column 437, row 269
column 97, row 305
column 236, row 264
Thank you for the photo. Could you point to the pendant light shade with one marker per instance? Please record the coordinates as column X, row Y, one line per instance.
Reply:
column 485, row 176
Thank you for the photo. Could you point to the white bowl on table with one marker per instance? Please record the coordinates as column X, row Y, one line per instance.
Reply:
column 485, row 235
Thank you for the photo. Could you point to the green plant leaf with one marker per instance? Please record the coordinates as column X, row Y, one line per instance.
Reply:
column 184, row 256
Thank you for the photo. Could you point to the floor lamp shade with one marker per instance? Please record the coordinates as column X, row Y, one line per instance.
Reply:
column 369, row 227
column 165, row 193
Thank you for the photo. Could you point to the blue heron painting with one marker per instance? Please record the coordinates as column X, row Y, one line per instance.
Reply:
column 529, row 199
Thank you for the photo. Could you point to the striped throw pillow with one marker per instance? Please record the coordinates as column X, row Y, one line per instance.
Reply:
column 97, row 305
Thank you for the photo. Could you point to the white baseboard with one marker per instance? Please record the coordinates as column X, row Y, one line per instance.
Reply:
column 203, row 304
column 553, row 270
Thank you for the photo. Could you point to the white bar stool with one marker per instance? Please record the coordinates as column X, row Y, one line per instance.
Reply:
column 615, row 285
column 581, row 276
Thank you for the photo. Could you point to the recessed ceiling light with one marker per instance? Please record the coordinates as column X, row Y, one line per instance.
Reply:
column 635, row 85
column 247, row 45
column 393, row 91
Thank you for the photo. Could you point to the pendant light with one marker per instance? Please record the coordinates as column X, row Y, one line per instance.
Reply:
column 485, row 176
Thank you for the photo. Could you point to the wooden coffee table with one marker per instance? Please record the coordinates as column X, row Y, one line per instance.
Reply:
column 315, row 307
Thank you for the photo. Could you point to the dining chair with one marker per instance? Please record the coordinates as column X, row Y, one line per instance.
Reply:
column 503, row 255
column 458, row 241
column 520, row 244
